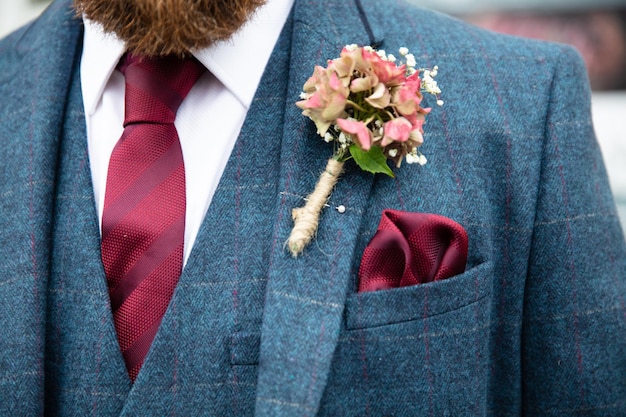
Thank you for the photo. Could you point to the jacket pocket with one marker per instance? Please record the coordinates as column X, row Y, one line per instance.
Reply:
column 397, row 305
column 415, row 351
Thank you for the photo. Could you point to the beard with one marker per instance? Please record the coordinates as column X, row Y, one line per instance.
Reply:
column 169, row 27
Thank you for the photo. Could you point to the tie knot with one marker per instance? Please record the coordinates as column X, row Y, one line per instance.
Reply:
column 155, row 87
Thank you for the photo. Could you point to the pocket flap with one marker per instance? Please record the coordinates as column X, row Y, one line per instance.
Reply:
column 378, row 308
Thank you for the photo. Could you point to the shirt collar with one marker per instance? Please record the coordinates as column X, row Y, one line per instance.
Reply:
column 237, row 63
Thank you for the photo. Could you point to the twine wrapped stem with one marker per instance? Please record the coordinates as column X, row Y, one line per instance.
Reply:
column 306, row 219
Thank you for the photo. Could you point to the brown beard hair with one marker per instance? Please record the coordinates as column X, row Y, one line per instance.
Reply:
column 169, row 27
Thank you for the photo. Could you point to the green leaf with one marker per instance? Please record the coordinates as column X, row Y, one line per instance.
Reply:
column 373, row 161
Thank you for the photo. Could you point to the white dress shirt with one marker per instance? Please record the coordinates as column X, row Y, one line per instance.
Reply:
column 208, row 121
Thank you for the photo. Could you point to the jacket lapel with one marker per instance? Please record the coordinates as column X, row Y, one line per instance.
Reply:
column 31, row 118
column 305, row 295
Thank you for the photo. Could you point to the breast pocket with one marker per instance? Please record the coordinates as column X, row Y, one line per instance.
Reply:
column 397, row 305
column 418, row 350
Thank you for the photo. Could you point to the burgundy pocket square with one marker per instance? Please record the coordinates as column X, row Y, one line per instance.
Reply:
column 412, row 248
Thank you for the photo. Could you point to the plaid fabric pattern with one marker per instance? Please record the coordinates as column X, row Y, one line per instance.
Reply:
column 531, row 328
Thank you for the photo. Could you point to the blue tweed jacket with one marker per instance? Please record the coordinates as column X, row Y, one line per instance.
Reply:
column 535, row 326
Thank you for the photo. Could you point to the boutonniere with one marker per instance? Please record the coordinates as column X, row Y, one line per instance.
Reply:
column 368, row 106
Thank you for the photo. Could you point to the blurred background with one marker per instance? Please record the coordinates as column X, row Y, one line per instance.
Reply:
column 597, row 28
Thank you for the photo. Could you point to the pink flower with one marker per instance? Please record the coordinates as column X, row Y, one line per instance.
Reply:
column 407, row 97
column 396, row 130
column 318, row 74
column 348, row 62
column 364, row 83
column 417, row 120
column 380, row 98
column 387, row 72
column 326, row 99
column 355, row 127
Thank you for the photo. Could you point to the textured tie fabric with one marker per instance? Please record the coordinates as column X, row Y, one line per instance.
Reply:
column 143, row 222
column 412, row 248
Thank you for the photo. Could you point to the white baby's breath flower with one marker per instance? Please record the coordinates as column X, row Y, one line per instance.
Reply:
column 393, row 153
column 422, row 160
column 403, row 51
column 351, row 47
column 410, row 158
column 343, row 138
column 432, row 88
column 382, row 54
column 328, row 137
column 429, row 84
column 303, row 96
column 410, row 60
column 391, row 58
column 440, row 102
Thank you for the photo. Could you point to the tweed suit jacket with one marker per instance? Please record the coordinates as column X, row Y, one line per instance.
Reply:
column 534, row 327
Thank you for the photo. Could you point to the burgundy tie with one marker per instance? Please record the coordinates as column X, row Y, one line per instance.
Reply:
column 412, row 248
column 143, row 222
